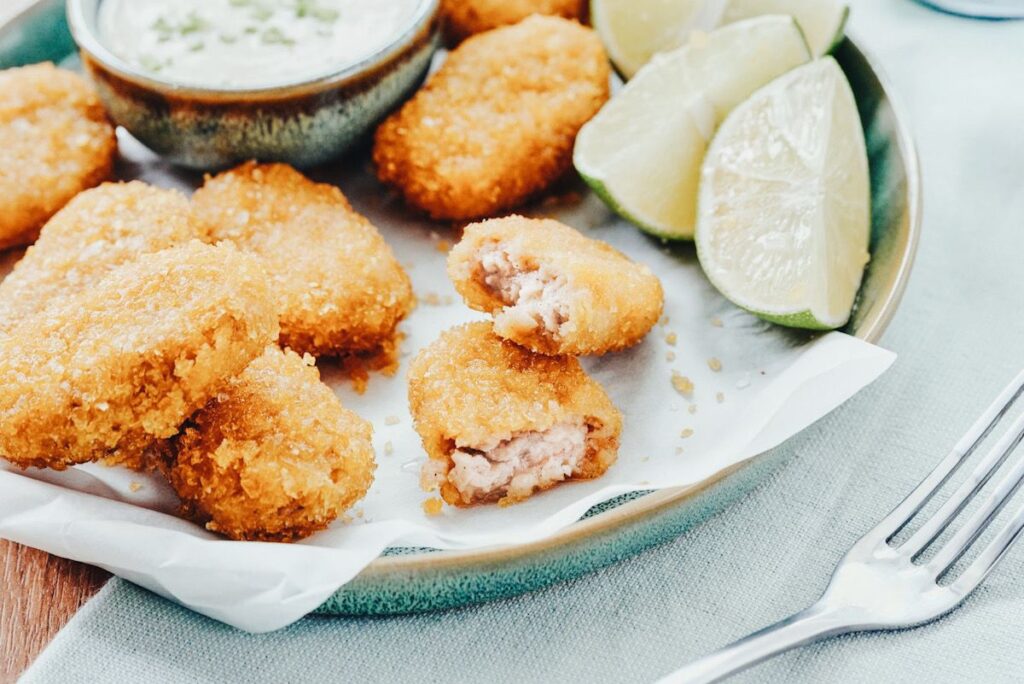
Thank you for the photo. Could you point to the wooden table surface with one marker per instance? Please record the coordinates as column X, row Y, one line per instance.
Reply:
column 38, row 592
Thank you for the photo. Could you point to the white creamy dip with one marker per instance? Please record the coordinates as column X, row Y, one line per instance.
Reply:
column 239, row 44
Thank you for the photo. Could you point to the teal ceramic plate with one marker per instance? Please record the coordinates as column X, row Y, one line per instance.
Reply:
column 412, row 580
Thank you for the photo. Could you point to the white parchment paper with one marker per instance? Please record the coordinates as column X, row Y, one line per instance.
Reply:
column 772, row 384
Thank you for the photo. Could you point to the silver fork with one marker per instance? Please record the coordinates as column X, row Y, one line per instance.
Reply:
column 879, row 584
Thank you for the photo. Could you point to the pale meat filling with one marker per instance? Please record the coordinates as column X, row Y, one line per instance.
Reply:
column 518, row 466
column 533, row 298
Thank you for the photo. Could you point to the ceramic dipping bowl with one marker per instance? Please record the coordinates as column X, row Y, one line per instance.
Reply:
column 303, row 123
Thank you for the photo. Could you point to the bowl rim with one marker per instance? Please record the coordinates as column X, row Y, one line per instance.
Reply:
column 657, row 502
column 89, row 42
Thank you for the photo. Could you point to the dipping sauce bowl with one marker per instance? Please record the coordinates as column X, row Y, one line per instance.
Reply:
column 305, row 122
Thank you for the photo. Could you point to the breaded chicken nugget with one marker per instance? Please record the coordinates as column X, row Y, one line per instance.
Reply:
column 108, row 371
column 274, row 456
column 552, row 289
column 97, row 231
column 55, row 141
column 500, row 422
column 464, row 18
column 336, row 282
column 496, row 123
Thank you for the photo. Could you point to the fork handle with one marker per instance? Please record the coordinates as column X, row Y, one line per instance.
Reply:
column 806, row 626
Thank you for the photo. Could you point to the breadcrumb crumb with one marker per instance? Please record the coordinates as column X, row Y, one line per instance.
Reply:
column 686, row 433
column 433, row 506
column 714, row 364
column 682, row 384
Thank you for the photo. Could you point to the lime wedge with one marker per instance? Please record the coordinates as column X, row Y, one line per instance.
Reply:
column 642, row 152
column 635, row 30
column 784, row 209
column 822, row 21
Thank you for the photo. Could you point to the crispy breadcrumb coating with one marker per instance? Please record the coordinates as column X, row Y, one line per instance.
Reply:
column 500, row 422
column 496, row 123
column 106, row 372
column 274, row 456
column 552, row 289
column 463, row 18
column 97, row 231
column 337, row 284
column 55, row 141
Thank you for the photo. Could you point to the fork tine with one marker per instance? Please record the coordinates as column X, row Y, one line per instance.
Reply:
column 967, row 490
column 898, row 518
column 981, row 566
column 981, row 518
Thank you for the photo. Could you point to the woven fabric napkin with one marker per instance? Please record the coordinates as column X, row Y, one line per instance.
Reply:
column 959, row 335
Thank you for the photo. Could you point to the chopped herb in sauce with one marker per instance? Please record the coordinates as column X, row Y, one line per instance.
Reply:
column 243, row 43
column 275, row 36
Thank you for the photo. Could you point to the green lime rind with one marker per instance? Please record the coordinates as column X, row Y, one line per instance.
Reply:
column 602, row 193
column 804, row 320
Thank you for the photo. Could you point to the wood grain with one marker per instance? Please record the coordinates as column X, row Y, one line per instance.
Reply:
column 38, row 594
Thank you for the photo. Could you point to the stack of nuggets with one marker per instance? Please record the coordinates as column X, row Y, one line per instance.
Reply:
column 118, row 326
column 504, row 410
column 111, row 370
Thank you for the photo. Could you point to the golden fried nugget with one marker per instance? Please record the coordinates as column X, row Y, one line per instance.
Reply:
column 500, row 422
column 552, row 289
column 496, row 123
column 55, row 141
column 464, row 18
column 97, row 231
column 336, row 282
column 106, row 372
column 274, row 456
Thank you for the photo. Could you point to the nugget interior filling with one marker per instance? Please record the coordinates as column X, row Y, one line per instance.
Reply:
column 533, row 297
column 516, row 467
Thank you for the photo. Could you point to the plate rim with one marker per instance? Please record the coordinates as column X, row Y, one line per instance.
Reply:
column 660, row 502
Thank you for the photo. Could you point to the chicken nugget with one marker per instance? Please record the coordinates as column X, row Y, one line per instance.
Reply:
column 94, row 233
column 274, row 456
column 106, row 372
column 552, row 289
column 496, row 123
column 55, row 141
column 336, row 282
column 464, row 18
column 500, row 422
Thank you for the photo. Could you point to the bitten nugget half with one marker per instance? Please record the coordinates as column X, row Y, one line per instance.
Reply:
column 500, row 422
column 464, row 18
column 274, row 456
column 107, row 372
column 552, row 289
column 496, row 123
column 97, row 231
column 336, row 282
column 55, row 141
